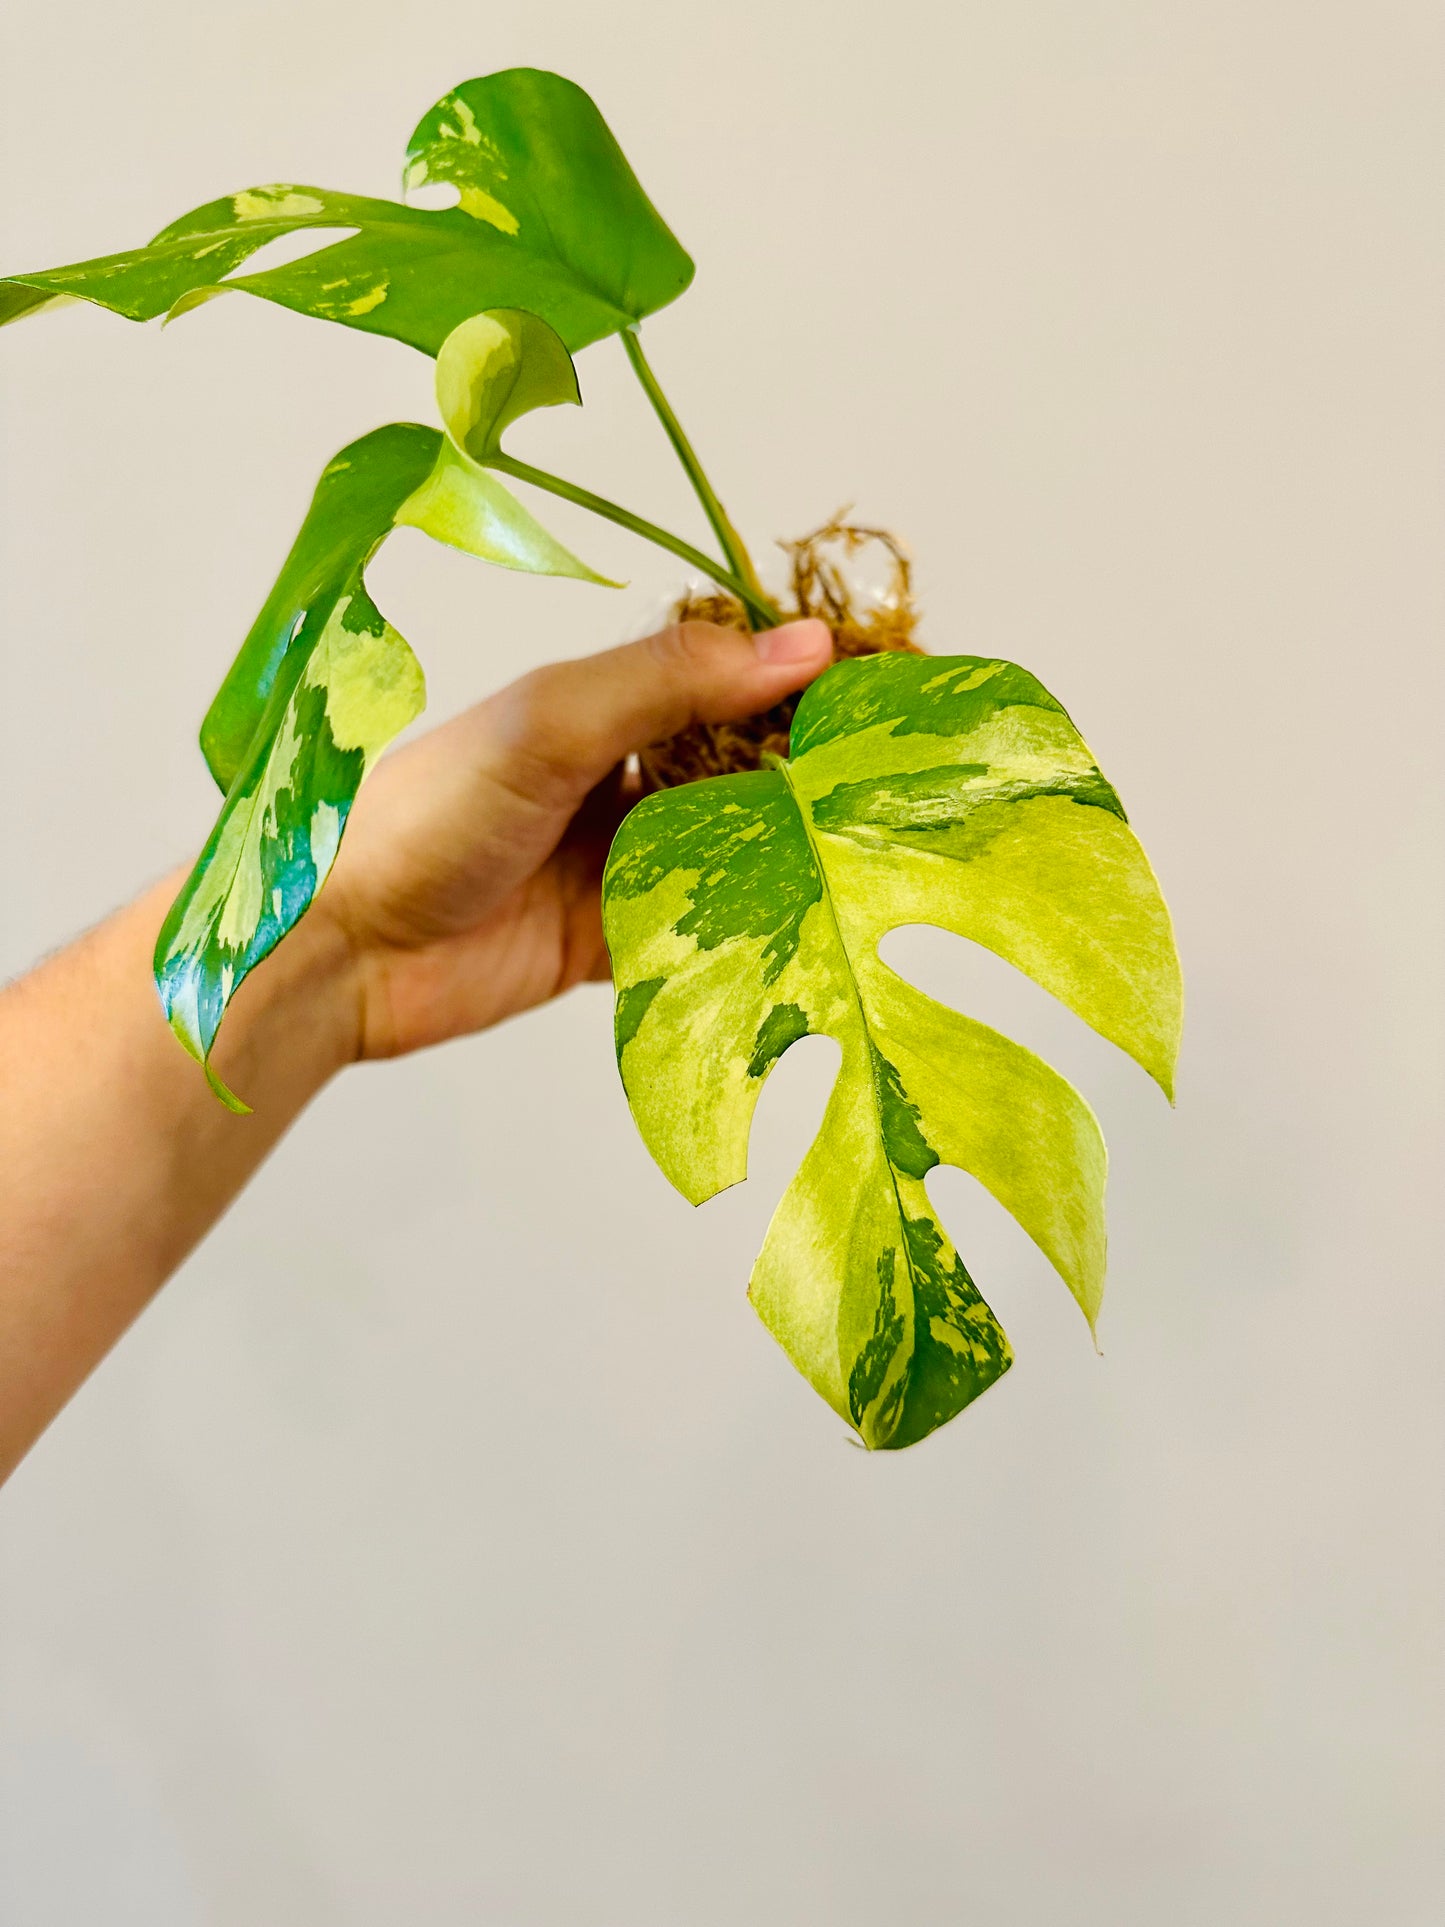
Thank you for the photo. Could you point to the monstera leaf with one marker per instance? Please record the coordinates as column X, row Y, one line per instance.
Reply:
column 491, row 370
column 551, row 219
column 745, row 912
column 322, row 682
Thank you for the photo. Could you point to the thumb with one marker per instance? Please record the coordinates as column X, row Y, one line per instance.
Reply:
column 558, row 731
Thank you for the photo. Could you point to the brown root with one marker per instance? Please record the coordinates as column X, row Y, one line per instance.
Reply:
column 820, row 587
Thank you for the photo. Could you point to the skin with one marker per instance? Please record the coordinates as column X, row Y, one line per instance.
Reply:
column 466, row 890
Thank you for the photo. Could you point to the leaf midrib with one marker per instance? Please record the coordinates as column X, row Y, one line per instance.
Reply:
column 873, row 1053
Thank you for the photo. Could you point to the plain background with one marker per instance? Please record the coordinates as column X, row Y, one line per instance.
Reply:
column 450, row 1543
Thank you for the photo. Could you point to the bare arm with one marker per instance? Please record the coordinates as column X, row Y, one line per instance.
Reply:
column 466, row 890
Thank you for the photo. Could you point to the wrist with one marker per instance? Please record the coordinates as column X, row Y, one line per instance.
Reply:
column 295, row 1021
column 298, row 1017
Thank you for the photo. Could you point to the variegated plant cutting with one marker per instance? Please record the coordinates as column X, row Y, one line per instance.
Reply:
column 743, row 911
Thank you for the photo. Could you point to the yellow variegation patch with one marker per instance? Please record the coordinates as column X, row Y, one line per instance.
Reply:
column 275, row 204
column 486, row 207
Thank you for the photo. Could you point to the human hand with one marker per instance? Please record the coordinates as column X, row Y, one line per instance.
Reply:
column 465, row 890
column 467, row 887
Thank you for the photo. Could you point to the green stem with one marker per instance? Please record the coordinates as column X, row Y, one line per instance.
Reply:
column 731, row 542
column 760, row 611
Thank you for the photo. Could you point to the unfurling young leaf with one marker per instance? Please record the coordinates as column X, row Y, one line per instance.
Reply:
column 491, row 370
column 322, row 682
column 745, row 912
column 551, row 219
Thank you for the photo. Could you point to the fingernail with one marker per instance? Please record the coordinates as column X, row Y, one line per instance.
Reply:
column 794, row 642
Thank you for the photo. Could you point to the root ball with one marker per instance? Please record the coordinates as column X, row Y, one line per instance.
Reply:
column 820, row 586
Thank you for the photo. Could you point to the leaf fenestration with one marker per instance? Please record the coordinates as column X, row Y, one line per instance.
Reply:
column 746, row 911
column 551, row 219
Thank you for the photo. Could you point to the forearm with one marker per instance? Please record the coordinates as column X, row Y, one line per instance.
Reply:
column 115, row 1158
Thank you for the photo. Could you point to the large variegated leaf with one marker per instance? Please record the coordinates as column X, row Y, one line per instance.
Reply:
column 745, row 912
column 551, row 219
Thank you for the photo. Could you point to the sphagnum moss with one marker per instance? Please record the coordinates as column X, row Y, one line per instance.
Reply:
column 822, row 584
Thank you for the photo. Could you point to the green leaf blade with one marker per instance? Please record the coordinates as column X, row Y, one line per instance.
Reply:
column 492, row 369
column 348, row 685
column 199, row 249
column 532, row 156
column 745, row 912
column 496, row 367
column 463, row 505
column 354, row 507
column 580, row 244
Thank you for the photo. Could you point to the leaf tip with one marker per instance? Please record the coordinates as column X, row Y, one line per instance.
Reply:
column 192, row 1046
column 192, row 298
column 236, row 1105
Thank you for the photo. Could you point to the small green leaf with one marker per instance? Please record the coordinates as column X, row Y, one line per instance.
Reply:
column 551, row 219
column 746, row 911
column 492, row 369
column 495, row 368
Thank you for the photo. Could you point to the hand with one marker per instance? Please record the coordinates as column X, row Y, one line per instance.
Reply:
column 466, row 889
column 467, row 885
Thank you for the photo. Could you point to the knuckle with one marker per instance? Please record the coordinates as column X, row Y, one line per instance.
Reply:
column 684, row 647
column 545, row 745
column 536, row 711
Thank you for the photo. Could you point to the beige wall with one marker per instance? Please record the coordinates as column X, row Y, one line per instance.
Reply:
column 451, row 1544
